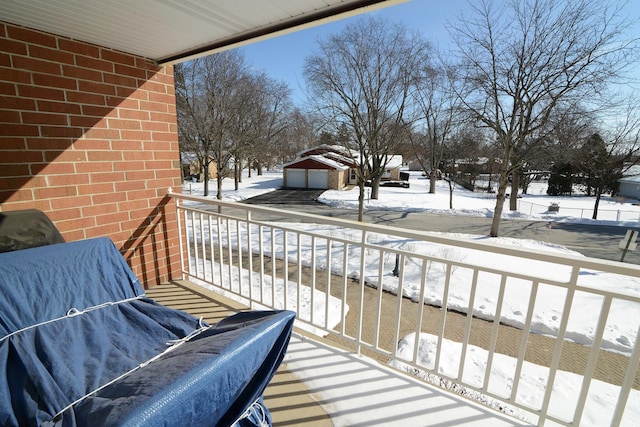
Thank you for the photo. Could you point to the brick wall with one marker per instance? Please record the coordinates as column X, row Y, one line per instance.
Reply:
column 89, row 136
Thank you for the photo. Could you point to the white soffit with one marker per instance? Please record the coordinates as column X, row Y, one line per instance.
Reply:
column 174, row 30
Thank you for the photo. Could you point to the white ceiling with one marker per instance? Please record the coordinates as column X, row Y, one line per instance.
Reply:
column 173, row 30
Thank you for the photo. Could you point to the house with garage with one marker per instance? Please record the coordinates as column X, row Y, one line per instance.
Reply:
column 629, row 186
column 315, row 171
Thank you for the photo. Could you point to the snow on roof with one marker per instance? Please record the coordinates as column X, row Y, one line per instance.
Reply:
column 332, row 148
column 631, row 179
column 319, row 159
column 394, row 161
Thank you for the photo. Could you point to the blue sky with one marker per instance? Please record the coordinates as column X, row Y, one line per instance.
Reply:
column 283, row 57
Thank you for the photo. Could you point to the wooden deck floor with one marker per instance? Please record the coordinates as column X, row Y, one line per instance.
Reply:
column 287, row 398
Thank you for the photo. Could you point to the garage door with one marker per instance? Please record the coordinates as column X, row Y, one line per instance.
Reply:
column 296, row 178
column 318, row 178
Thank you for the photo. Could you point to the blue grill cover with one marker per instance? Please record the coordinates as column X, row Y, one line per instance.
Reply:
column 101, row 353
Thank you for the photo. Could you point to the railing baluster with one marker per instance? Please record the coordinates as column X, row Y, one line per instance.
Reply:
column 399, row 297
column 250, row 254
column 593, row 359
column 627, row 383
column 261, row 252
column 313, row 278
column 423, row 290
column 376, row 339
column 467, row 327
column 494, row 332
column 443, row 316
column 327, row 297
column 239, row 241
column 285, row 266
column 562, row 329
column 273, row 266
column 523, row 341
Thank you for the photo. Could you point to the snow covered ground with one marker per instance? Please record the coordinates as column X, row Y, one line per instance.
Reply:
column 621, row 329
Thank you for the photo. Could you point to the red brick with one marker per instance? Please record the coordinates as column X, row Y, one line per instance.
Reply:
column 161, row 98
column 60, row 131
column 80, row 223
column 126, row 145
column 93, row 189
column 81, row 73
column 118, row 57
column 135, row 134
column 31, row 36
column 48, row 80
column 79, row 48
column 57, row 107
column 129, row 166
column 102, row 209
column 10, row 117
column 112, row 218
column 159, row 107
column 106, row 198
column 7, row 88
column 70, row 202
column 74, row 235
column 66, row 170
column 140, row 175
column 63, row 214
column 96, row 133
column 85, row 98
column 61, row 180
column 12, row 143
column 92, row 144
column 133, row 114
column 94, row 167
column 124, row 124
column 155, row 126
column 12, row 46
column 55, row 192
column 15, row 76
column 10, row 129
column 59, row 144
column 94, row 64
column 94, row 87
column 15, row 170
column 102, row 156
column 53, row 55
column 101, row 230
column 98, row 111
column 117, row 80
column 107, row 177
column 70, row 156
column 132, row 93
column 41, row 92
column 39, row 65
column 130, row 71
column 130, row 185
column 137, row 155
column 44, row 118
column 87, row 122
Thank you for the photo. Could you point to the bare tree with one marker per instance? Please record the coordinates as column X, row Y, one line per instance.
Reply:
column 206, row 89
column 523, row 60
column 607, row 156
column 360, row 79
column 437, row 104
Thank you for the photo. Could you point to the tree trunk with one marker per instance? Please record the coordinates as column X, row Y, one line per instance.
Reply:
column 219, row 184
column 515, row 187
column 450, row 193
column 500, row 198
column 236, row 177
column 375, row 188
column 360, row 201
column 597, row 203
column 205, row 177
column 432, row 181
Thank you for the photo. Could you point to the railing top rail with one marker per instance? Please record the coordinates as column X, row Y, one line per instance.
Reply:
column 498, row 248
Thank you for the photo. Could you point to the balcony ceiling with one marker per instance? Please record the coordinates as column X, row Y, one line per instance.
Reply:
column 174, row 30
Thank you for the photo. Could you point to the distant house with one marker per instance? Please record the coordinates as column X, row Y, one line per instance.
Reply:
column 191, row 168
column 629, row 186
column 315, row 171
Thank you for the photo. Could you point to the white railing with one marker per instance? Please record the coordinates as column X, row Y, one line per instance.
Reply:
column 359, row 283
